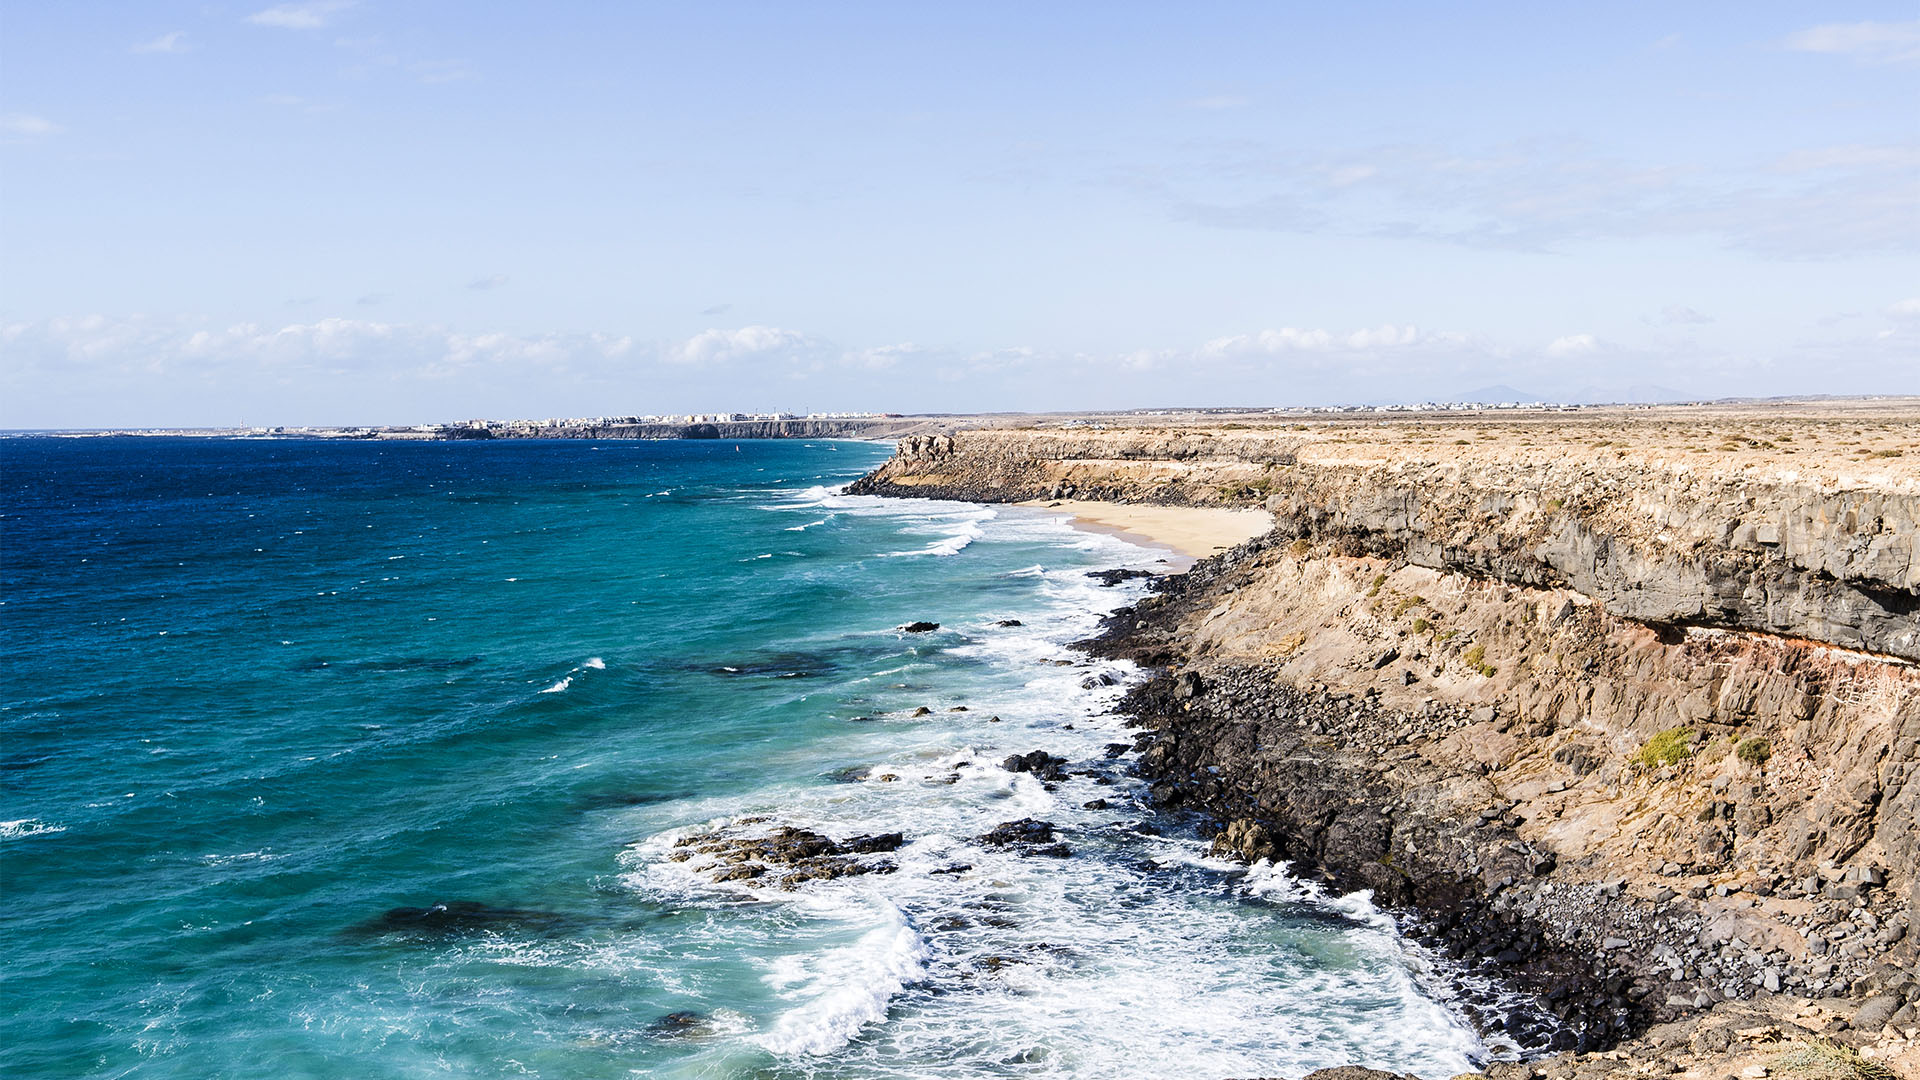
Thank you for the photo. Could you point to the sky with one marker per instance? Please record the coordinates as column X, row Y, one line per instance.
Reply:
column 413, row 211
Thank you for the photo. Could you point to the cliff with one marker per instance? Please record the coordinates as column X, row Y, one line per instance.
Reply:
column 1744, row 537
column 1622, row 711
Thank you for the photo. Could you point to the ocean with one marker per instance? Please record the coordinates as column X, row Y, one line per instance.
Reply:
column 386, row 759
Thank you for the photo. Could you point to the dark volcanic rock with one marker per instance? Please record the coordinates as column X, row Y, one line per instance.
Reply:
column 1039, row 763
column 679, row 1024
column 1024, row 831
column 919, row 627
column 1115, row 577
column 786, row 856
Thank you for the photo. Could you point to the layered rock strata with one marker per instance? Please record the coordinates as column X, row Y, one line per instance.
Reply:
column 1824, row 554
column 1638, row 735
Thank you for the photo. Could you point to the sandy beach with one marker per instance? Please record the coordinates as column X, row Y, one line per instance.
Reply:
column 1187, row 532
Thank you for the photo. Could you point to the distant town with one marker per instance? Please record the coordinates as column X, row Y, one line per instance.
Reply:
column 756, row 425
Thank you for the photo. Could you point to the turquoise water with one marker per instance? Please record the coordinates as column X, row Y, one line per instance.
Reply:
column 257, row 695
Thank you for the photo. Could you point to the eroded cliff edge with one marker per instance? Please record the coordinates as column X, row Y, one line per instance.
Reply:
column 1820, row 549
column 1628, row 723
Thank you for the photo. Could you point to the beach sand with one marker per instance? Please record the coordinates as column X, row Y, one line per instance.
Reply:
column 1186, row 532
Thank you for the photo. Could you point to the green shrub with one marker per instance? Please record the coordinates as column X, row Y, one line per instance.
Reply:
column 1670, row 747
column 1475, row 656
column 1406, row 603
column 1420, row 626
column 1754, row 750
column 1299, row 548
column 1378, row 580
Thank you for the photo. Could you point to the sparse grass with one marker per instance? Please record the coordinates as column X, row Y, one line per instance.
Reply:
column 1754, row 750
column 1823, row 1059
column 1670, row 747
column 1406, row 604
column 1420, row 626
column 1476, row 659
column 1299, row 548
column 1378, row 580
column 1554, row 505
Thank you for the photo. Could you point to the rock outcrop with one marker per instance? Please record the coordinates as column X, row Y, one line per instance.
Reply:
column 1634, row 733
column 1829, row 556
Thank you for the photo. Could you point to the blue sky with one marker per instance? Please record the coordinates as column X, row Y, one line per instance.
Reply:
column 327, row 212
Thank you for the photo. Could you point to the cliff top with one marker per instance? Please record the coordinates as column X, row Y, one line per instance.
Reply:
column 1850, row 445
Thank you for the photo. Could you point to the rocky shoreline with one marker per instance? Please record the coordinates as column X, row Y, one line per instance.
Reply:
column 1685, row 835
column 1619, row 979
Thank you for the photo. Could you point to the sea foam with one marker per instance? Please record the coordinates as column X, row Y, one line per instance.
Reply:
column 843, row 990
column 25, row 827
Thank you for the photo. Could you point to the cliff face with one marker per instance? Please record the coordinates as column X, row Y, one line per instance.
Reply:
column 1825, row 556
column 1639, row 733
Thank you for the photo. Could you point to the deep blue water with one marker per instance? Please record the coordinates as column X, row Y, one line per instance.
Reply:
column 255, row 695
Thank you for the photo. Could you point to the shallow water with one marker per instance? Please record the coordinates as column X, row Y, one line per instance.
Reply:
column 259, row 695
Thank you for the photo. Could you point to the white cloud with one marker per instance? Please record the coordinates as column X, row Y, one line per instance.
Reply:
column 1546, row 194
column 484, row 284
column 1386, row 337
column 1868, row 42
column 100, row 370
column 711, row 347
column 1573, row 345
column 174, row 42
column 27, row 124
column 1292, row 339
column 303, row 16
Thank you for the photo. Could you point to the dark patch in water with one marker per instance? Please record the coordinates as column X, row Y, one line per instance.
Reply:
column 785, row 665
column 680, row 1024
column 615, row 800
column 458, row 918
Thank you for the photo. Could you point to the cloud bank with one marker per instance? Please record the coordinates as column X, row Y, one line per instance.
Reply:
column 144, row 371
